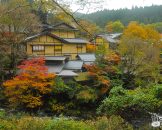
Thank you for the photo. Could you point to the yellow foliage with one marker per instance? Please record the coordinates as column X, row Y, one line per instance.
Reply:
column 91, row 48
column 135, row 30
column 143, row 32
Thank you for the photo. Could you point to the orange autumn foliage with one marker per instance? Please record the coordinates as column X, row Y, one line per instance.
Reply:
column 98, row 72
column 113, row 58
column 30, row 85
column 98, row 76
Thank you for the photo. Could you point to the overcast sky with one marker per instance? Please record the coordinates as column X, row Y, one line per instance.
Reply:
column 117, row 4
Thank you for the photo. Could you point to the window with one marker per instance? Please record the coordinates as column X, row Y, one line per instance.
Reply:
column 79, row 48
column 58, row 48
column 38, row 48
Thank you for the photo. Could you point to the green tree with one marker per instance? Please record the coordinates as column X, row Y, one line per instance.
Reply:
column 129, row 102
column 16, row 23
column 140, row 52
column 90, row 27
column 113, row 27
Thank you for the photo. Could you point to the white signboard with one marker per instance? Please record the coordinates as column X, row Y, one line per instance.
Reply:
column 156, row 120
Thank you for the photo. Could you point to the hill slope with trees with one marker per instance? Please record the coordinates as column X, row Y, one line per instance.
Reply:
column 146, row 15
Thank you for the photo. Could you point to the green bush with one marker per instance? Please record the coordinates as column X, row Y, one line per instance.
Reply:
column 158, row 91
column 112, row 123
column 36, row 123
column 24, row 123
column 63, row 124
column 7, row 125
column 122, row 101
column 2, row 113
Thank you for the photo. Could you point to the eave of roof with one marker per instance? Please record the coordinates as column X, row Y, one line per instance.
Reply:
column 63, row 23
column 108, row 37
column 73, row 65
column 67, row 73
column 55, row 68
column 87, row 57
column 45, row 33
column 76, row 40
column 64, row 40
column 55, row 58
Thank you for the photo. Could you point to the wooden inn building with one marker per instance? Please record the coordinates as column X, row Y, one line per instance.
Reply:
column 65, row 54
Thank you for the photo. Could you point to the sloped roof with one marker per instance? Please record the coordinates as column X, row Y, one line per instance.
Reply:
column 115, row 35
column 111, row 38
column 45, row 33
column 108, row 38
column 64, row 40
column 76, row 40
column 62, row 25
column 73, row 65
column 55, row 58
column 67, row 73
column 87, row 57
column 89, row 62
column 55, row 68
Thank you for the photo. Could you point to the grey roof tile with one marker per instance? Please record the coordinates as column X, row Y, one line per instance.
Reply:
column 87, row 57
column 55, row 68
column 55, row 58
column 76, row 40
column 73, row 65
column 67, row 73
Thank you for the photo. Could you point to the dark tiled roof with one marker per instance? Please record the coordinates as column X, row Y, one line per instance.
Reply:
column 64, row 40
column 44, row 33
column 63, row 23
column 60, row 26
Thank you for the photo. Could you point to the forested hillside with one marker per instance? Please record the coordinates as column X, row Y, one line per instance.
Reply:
column 144, row 15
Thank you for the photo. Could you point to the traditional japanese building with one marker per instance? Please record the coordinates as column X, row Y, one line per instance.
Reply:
column 63, row 51
column 57, row 40
column 111, row 40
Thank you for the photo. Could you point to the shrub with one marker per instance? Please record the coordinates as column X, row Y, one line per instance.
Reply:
column 122, row 101
column 7, row 125
column 31, row 123
column 46, row 123
column 112, row 123
column 2, row 113
column 65, row 124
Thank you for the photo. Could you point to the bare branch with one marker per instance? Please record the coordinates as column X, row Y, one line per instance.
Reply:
column 71, row 15
column 17, row 7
